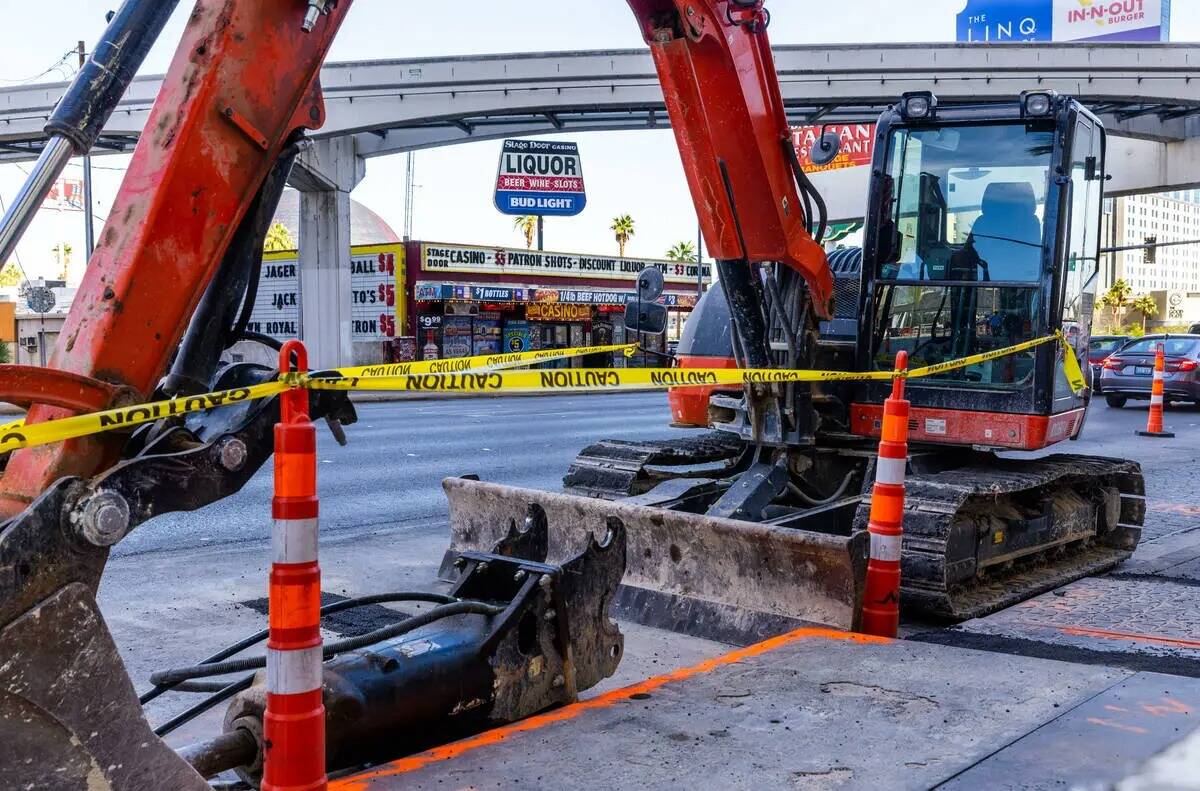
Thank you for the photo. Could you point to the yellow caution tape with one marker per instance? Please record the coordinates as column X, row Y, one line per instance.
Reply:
column 16, row 436
column 655, row 378
column 484, row 376
column 483, row 362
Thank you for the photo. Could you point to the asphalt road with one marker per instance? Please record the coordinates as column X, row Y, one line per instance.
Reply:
column 398, row 453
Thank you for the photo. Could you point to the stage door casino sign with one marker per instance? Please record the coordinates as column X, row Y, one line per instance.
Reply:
column 540, row 177
column 376, row 289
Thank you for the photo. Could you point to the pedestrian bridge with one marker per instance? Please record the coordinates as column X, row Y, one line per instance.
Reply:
column 1147, row 94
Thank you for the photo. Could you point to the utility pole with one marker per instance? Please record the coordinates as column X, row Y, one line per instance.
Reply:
column 89, row 228
column 409, row 177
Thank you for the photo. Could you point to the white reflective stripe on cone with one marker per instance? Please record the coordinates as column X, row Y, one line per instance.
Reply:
column 890, row 470
column 1156, row 400
column 293, row 672
column 885, row 547
column 294, row 540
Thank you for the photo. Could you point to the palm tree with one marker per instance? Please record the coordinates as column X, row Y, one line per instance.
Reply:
column 1145, row 305
column 682, row 251
column 10, row 276
column 1116, row 299
column 622, row 228
column 526, row 224
column 279, row 239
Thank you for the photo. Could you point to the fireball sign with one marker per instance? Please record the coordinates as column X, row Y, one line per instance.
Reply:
column 540, row 177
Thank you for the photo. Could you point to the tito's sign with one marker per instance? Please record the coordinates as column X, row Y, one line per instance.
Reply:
column 540, row 177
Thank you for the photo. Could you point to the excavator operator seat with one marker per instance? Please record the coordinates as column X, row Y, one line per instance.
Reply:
column 1008, row 234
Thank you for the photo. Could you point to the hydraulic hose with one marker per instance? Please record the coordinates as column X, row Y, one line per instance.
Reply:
column 812, row 502
column 328, row 609
column 207, row 670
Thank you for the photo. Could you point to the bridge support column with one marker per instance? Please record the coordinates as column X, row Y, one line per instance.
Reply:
column 325, row 175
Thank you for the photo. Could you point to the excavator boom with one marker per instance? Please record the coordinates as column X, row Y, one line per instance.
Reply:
column 719, row 81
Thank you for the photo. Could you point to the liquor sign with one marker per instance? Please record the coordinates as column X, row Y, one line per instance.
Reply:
column 858, row 144
column 541, row 177
column 984, row 21
column 436, row 258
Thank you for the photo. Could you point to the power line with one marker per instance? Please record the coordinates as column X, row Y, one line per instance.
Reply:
column 58, row 65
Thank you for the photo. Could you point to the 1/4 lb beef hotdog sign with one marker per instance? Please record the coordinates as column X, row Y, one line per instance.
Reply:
column 540, row 177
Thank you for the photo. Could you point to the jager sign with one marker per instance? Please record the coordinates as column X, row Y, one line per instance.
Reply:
column 540, row 177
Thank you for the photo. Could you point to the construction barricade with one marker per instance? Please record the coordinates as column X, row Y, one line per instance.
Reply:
column 1154, row 422
column 881, row 599
column 294, row 725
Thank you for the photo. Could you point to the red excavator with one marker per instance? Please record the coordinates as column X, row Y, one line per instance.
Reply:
column 760, row 526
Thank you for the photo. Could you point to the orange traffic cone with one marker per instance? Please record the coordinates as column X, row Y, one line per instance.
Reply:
column 881, row 602
column 1154, row 423
column 294, row 726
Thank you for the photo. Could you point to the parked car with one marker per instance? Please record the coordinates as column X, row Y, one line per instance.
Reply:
column 1099, row 347
column 1129, row 371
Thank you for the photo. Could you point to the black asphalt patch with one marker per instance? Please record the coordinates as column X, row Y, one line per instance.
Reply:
column 1038, row 649
column 1135, row 621
column 347, row 623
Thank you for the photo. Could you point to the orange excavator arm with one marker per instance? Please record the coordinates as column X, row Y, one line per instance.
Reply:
column 722, row 93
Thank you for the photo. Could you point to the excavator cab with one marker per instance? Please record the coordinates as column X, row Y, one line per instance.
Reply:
column 982, row 233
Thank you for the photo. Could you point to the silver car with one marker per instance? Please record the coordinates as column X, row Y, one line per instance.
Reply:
column 1129, row 371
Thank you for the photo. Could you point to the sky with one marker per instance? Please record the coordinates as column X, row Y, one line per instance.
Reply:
column 636, row 173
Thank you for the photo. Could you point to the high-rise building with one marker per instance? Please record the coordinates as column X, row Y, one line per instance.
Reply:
column 1159, row 219
column 1170, row 274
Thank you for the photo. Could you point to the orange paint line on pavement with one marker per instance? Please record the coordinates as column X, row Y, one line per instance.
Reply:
column 1080, row 631
column 1175, row 508
column 361, row 782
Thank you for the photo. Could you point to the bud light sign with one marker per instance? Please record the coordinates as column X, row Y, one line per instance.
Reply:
column 540, row 177
column 990, row 21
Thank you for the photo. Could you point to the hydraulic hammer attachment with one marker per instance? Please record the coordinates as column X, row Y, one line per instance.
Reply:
column 539, row 634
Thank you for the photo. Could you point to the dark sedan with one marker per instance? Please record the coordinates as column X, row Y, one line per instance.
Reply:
column 1129, row 371
column 1099, row 347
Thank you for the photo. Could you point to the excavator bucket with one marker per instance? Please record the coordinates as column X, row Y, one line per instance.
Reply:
column 721, row 579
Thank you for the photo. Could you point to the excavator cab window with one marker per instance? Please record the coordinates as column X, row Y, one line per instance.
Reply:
column 963, row 274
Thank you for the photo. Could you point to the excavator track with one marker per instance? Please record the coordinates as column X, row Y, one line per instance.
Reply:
column 980, row 535
column 614, row 468
column 986, row 535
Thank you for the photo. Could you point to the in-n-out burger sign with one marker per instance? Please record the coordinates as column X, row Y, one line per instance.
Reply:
column 503, row 261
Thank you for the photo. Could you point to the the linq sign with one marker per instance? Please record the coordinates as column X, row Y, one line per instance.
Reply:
column 988, row 21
